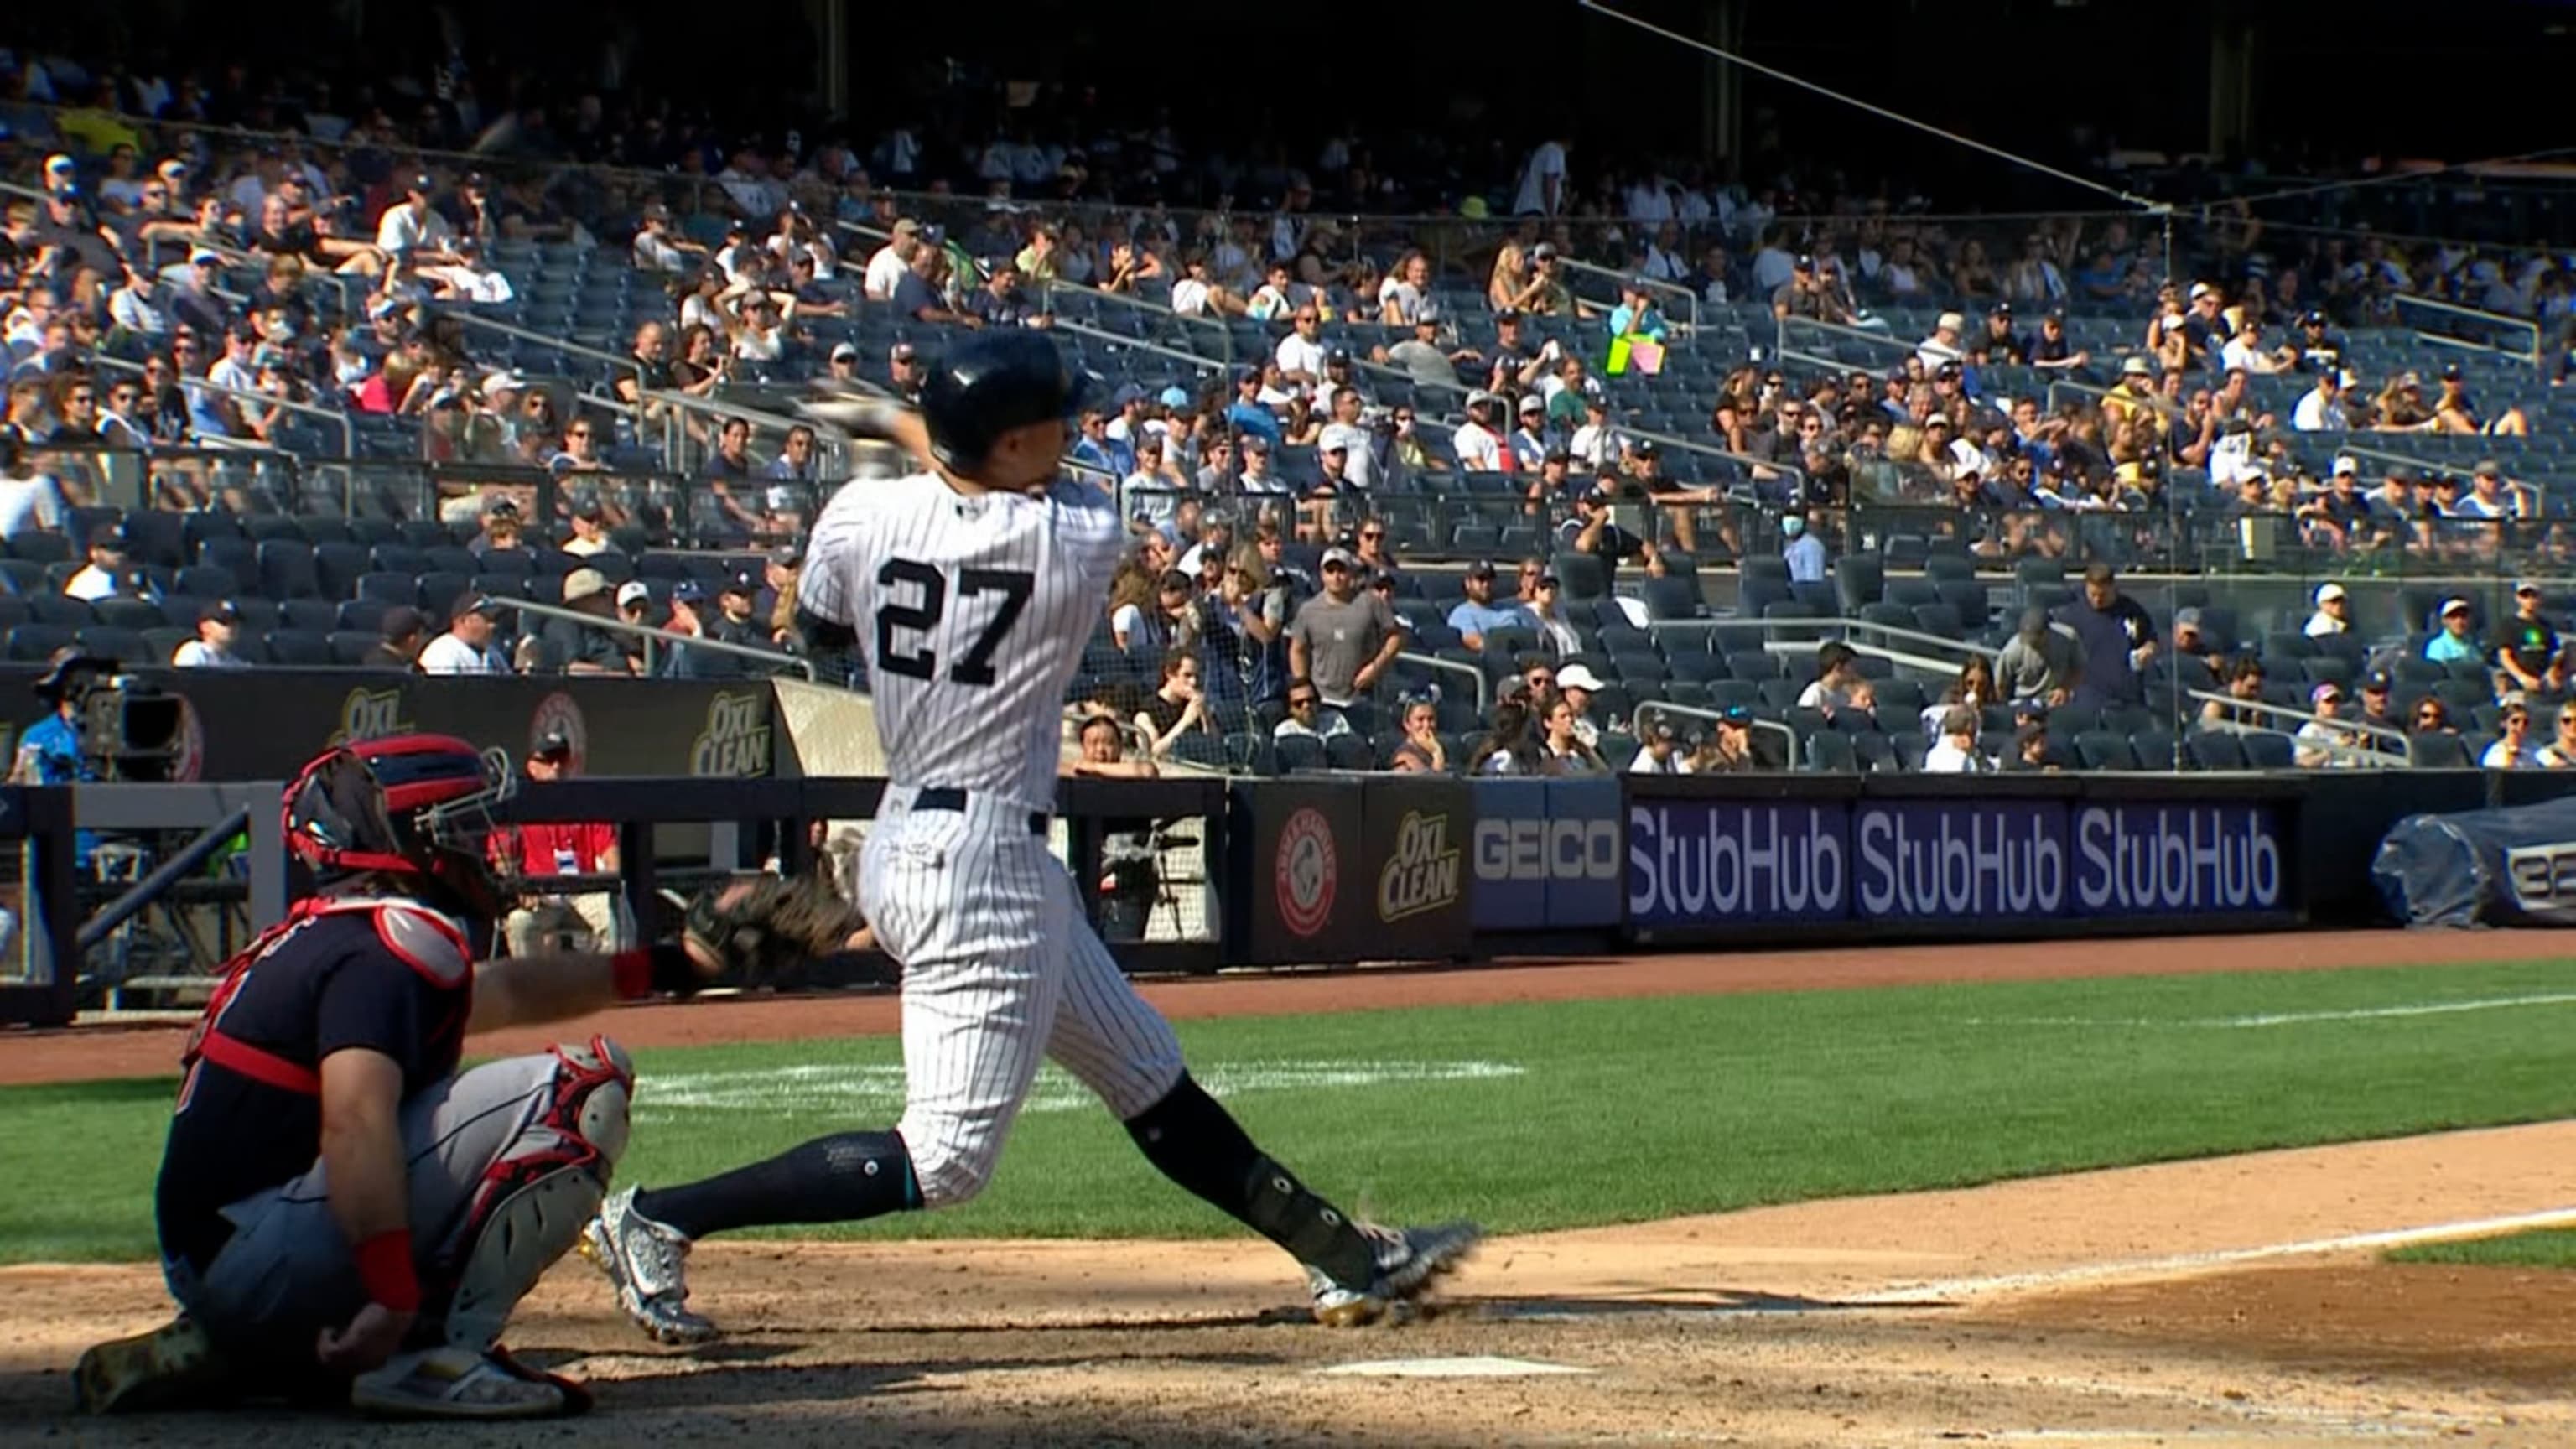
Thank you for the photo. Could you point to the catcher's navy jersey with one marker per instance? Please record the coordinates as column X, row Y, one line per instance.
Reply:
column 972, row 612
column 386, row 976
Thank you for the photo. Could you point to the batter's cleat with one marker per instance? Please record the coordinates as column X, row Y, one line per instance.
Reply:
column 452, row 1382
column 1409, row 1262
column 171, row 1367
column 648, row 1263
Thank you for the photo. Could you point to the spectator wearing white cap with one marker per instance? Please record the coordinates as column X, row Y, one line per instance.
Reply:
column 1944, row 344
column 1345, row 638
column 2333, row 612
column 1576, row 684
column 2457, row 643
column 887, row 265
column 1479, row 443
column 2321, row 745
column 1528, row 442
column 2321, row 408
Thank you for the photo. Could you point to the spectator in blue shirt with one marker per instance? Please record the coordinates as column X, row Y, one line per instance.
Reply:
column 2458, row 641
column 1478, row 615
column 1248, row 414
column 1804, row 552
column 1635, row 316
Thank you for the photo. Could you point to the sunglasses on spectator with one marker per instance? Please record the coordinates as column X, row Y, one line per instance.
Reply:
column 1302, row 701
column 576, row 432
column 1369, row 533
column 1305, row 317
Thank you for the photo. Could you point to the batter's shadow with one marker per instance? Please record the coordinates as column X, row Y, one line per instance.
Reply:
column 713, row 1378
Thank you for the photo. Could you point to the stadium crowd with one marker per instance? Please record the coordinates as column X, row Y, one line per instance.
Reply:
column 173, row 286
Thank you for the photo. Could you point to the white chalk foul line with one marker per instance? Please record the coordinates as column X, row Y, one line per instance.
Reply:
column 2194, row 1262
column 847, row 1088
column 2291, row 1018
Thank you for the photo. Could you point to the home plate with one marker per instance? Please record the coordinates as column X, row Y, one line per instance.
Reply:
column 1473, row 1366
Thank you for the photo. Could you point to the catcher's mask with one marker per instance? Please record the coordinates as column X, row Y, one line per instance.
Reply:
column 408, row 805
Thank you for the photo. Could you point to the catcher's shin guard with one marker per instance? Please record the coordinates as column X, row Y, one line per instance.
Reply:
column 534, row 1199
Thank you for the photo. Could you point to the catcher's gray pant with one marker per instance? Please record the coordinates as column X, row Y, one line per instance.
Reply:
column 526, row 1142
column 1000, row 969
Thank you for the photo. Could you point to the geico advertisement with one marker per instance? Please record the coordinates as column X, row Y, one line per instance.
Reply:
column 1694, row 861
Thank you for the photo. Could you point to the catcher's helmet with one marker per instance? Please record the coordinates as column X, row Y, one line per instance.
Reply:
column 407, row 805
column 990, row 383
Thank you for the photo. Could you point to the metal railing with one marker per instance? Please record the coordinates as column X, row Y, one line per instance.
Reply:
column 340, row 420
column 2403, row 755
column 1085, row 329
column 774, row 658
column 471, row 318
column 1688, row 325
column 1961, row 650
column 2492, row 323
column 1875, row 337
column 1659, row 709
column 1183, row 322
column 1483, row 686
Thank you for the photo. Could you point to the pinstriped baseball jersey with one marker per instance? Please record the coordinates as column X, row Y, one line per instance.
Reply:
column 972, row 613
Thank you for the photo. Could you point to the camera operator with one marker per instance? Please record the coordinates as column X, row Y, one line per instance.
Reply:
column 49, row 752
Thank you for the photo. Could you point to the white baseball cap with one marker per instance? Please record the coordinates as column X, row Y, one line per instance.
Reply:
column 2346, row 463
column 632, row 592
column 2328, row 593
column 1578, row 676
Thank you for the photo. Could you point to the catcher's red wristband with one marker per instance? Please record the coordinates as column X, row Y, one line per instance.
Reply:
column 385, row 1271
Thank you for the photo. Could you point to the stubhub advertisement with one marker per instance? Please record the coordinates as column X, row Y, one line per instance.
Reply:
column 1699, row 861
column 1702, row 863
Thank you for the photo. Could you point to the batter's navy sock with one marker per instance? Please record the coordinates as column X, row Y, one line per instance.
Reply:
column 1199, row 1145
column 828, row 1180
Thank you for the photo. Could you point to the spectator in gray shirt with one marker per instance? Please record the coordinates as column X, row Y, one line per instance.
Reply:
column 1420, row 354
column 1343, row 639
column 2041, row 662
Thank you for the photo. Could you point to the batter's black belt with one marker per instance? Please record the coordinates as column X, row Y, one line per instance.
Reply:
column 941, row 797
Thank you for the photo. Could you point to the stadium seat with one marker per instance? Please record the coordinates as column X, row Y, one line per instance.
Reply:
column 2154, row 749
column 2216, row 750
column 2104, row 750
column 1671, row 598
column 125, row 646
column 2268, row 750
column 39, row 547
column 1350, row 751
column 1875, row 752
column 2439, row 750
column 389, row 588
column 439, row 591
column 318, row 615
column 132, row 613
column 1298, row 754
column 1859, row 579
column 337, row 566
column 62, row 609
column 31, row 643
column 1828, row 752
column 237, row 556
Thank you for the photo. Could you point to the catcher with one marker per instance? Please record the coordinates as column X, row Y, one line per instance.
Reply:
column 343, row 1215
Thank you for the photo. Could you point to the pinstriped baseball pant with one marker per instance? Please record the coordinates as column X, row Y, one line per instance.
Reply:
column 1000, row 970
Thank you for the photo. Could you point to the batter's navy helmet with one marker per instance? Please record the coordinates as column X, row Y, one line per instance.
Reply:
column 990, row 383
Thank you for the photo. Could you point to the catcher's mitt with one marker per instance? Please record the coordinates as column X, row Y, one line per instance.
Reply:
column 757, row 926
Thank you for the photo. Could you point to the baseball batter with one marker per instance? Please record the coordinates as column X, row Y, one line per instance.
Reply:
column 970, row 590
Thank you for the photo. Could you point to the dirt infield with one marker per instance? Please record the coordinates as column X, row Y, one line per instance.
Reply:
column 2145, row 1305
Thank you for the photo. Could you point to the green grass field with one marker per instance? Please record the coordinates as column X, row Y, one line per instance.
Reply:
column 2540, row 1248
column 1532, row 1117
